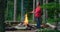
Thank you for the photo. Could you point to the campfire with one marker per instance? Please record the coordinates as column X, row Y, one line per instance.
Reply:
column 26, row 20
column 26, row 24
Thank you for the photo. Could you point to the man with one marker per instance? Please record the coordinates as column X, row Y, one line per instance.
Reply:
column 37, row 14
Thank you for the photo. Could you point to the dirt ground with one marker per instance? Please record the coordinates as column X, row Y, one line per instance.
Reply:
column 22, row 31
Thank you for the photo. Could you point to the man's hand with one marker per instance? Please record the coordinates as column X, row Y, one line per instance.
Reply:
column 31, row 12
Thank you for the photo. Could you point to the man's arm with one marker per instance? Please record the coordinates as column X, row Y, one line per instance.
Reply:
column 32, row 11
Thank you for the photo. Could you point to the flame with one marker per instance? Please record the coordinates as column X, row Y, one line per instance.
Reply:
column 26, row 20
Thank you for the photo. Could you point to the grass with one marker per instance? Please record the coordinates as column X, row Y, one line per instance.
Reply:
column 48, row 30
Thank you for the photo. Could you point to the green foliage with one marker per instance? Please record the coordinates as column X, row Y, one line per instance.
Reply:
column 9, row 10
column 48, row 30
column 51, row 6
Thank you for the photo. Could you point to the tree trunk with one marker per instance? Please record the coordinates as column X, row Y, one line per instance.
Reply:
column 3, row 4
column 34, row 5
column 46, row 15
column 56, row 15
column 43, row 13
column 22, row 16
column 15, row 1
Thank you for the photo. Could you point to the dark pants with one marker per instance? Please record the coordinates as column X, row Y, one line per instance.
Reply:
column 38, row 20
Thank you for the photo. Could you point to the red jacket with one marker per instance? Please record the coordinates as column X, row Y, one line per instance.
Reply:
column 37, row 12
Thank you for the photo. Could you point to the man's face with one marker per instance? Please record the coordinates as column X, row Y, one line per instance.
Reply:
column 37, row 3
